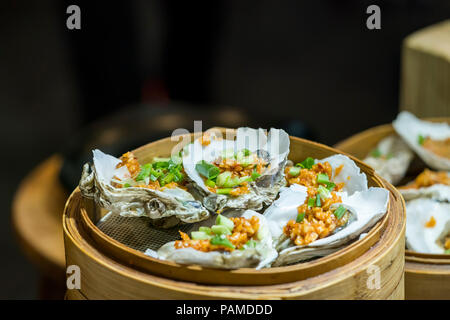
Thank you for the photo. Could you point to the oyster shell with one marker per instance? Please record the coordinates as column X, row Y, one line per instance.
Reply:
column 390, row 159
column 421, row 235
column 365, row 206
column 273, row 147
column 411, row 129
column 429, row 184
column 260, row 256
column 165, row 208
column 439, row 192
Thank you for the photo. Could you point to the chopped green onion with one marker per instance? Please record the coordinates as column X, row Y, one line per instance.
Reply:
column 200, row 235
column 300, row 217
column 168, row 178
column 307, row 163
column 376, row 153
column 294, row 171
column 232, row 182
column 145, row 172
column 246, row 152
column 244, row 179
column 219, row 241
column 246, row 161
column 311, row 202
column 206, row 230
column 224, row 221
column 160, row 159
column 323, row 192
column 255, row 174
column 420, row 139
column 207, row 170
column 126, row 185
column 447, row 251
column 331, row 186
column 389, row 155
column 178, row 176
column 318, row 203
column 339, row 212
column 210, row 183
column 323, row 178
column 224, row 191
column 220, row 230
column 223, row 178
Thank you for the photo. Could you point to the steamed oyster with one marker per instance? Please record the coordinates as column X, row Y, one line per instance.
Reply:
column 153, row 190
column 428, row 226
column 327, row 204
column 431, row 141
column 231, row 243
column 428, row 184
column 244, row 173
column 390, row 159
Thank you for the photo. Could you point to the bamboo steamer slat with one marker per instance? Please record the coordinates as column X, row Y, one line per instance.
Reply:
column 427, row 276
column 110, row 270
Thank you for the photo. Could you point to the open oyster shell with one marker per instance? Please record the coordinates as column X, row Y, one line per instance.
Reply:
column 410, row 128
column 273, row 147
column 165, row 208
column 260, row 256
column 365, row 206
column 390, row 159
column 419, row 236
column 439, row 192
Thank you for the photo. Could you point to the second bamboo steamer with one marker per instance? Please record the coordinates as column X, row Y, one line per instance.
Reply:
column 427, row 276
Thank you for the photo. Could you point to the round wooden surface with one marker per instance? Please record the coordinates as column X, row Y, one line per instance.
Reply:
column 36, row 217
column 427, row 276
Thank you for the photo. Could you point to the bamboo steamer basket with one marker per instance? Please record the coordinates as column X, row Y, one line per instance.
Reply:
column 111, row 270
column 427, row 276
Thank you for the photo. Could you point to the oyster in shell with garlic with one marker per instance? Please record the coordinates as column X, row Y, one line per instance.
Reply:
column 115, row 189
column 428, row 226
column 232, row 243
column 329, row 206
column 428, row 184
column 390, row 158
column 241, row 173
column 430, row 140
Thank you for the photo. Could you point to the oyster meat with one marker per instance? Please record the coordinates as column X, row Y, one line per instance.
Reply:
column 431, row 141
column 115, row 189
column 244, row 173
column 232, row 243
column 428, row 226
column 390, row 159
column 327, row 204
column 428, row 184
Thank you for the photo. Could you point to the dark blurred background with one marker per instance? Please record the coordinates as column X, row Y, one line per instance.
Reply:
column 311, row 67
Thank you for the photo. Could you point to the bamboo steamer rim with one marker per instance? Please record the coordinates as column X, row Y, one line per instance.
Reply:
column 369, row 139
column 243, row 276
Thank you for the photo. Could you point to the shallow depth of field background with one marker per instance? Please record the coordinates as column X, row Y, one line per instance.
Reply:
column 311, row 67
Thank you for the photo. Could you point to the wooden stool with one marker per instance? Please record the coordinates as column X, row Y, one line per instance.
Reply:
column 37, row 221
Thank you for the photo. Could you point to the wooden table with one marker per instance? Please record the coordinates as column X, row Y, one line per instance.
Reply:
column 37, row 221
